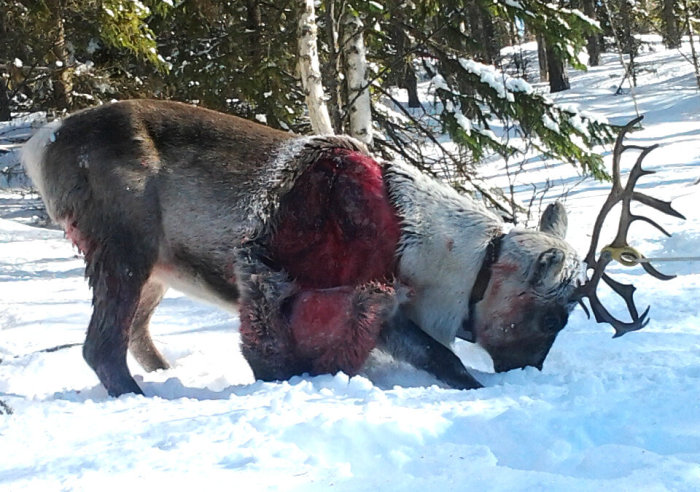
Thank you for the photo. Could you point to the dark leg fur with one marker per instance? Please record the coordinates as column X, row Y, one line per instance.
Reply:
column 404, row 340
column 140, row 343
column 118, row 268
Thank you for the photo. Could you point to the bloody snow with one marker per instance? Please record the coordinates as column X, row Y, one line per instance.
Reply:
column 603, row 414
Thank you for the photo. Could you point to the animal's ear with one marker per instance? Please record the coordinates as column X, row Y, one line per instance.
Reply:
column 548, row 266
column 554, row 220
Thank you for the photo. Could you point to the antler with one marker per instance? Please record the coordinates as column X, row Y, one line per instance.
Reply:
column 624, row 195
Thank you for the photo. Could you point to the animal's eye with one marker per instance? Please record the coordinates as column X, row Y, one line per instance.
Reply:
column 553, row 322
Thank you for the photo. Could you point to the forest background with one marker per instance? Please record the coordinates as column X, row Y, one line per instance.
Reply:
column 275, row 62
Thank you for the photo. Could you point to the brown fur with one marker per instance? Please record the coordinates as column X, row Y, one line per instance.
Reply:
column 144, row 188
column 161, row 194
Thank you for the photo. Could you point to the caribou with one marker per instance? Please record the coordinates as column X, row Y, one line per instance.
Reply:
column 324, row 251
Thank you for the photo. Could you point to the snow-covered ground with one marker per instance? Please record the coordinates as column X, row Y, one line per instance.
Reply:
column 604, row 414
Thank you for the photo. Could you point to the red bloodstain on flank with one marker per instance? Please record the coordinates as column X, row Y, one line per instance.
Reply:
column 334, row 331
column 320, row 320
column 335, row 232
column 336, row 226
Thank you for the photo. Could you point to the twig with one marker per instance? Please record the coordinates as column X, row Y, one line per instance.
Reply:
column 5, row 408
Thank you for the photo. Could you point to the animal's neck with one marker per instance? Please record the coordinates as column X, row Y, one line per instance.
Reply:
column 443, row 244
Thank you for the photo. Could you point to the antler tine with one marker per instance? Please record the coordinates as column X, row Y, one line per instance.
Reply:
column 655, row 273
column 626, row 291
column 624, row 195
column 615, row 193
column 650, row 222
column 619, row 148
column 655, row 203
column 602, row 315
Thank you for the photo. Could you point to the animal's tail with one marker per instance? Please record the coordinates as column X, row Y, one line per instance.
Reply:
column 33, row 153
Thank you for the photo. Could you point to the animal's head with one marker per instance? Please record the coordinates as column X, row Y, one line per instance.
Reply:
column 528, row 297
column 537, row 278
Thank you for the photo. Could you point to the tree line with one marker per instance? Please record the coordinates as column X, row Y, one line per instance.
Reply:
column 242, row 57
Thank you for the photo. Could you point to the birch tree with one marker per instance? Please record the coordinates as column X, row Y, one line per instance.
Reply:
column 309, row 68
column 356, row 77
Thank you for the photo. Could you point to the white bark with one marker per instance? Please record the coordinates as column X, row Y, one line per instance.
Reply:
column 356, row 77
column 309, row 68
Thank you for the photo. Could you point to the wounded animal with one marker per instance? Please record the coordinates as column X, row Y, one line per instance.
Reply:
column 325, row 252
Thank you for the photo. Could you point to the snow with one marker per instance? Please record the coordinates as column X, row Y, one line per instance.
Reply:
column 603, row 414
column 492, row 77
column 550, row 123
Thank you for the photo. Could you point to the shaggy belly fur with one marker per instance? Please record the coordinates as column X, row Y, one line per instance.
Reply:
column 335, row 236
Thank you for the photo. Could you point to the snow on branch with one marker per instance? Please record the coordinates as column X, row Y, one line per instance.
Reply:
column 559, row 131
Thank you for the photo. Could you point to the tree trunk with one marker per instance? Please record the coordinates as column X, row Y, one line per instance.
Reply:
column 63, row 77
column 410, row 83
column 542, row 58
column 671, row 28
column 491, row 46
column 356, row 76
column 482, row 30
column 310, row 71
column 405, row 74
column 331, row 69
column 558, row 78
column 593, row 43
column 5, row 114
column 691, row 35
column 253, row 23
column 629, row 44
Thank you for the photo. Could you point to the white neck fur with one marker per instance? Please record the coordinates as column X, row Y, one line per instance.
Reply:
column 443, row 244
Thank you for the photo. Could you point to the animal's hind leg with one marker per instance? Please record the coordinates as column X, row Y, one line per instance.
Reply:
column 118, row 267
column 140, row 342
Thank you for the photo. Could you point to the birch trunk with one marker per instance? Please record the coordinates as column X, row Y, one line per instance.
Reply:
column 356, row 77
column 332, row 71
column 309, row 68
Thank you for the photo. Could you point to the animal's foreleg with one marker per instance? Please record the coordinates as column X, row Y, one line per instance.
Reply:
column 406, row 341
